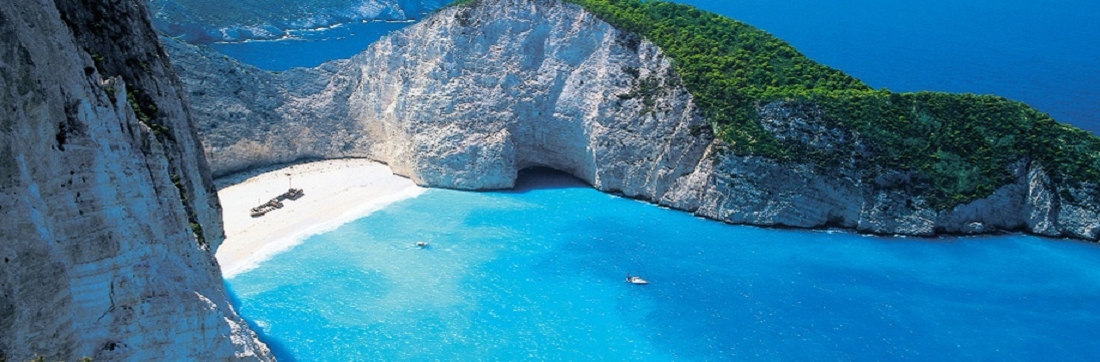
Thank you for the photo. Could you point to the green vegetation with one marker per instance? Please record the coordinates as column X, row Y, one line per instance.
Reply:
column 460, row 2
column 192, row 219
column 958, row 147
column 145, row 110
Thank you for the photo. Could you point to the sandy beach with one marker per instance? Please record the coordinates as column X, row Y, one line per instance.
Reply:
column 336, row 192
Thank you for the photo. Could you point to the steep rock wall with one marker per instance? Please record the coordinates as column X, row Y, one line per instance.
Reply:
column 596, row 102
column 759, row 191
column 476, row 93
column 472, row 94
column 248, row 117
column 110, row 215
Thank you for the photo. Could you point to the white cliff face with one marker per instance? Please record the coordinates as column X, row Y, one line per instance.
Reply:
column 249, row 118
column 99, row 256
column 529, row 84
column 469, row 96
column 476, row 93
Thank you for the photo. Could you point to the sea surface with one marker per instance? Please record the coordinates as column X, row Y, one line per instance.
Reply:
column 1044, row 53
column 309, row 47
column 538, row 274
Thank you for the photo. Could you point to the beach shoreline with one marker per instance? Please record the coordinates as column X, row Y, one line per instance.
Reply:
column 335, row 192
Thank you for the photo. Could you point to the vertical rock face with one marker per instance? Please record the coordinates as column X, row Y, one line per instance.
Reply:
column 505, row 85
column 472, row 94
column 760, row 191
column 464, row 100
column 249, row 117
column 110, row 217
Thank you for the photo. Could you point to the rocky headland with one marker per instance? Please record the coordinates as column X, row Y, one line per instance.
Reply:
column 110, row 216
column 474, row 93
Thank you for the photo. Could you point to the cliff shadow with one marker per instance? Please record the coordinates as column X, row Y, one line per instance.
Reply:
column 278, row 349
column 539, row 178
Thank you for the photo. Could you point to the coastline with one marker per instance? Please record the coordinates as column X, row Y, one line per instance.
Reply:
column 335, row 192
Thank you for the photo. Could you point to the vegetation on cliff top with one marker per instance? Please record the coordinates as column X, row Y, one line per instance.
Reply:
column 958, row 147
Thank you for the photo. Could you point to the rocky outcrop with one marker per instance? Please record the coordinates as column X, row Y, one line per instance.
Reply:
column 249, row 117
column 205, row 21
column 111, row 218
column 506, row 85
column 591, row 90
column 758, row 191
column 472, row 94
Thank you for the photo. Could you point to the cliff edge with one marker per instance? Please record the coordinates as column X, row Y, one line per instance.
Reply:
column 111, row 218
column 469, row 96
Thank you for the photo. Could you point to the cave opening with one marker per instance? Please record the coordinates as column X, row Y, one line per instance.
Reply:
column 543, row 177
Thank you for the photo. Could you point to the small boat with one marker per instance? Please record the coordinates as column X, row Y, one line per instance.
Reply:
column 421, row 244
column 634, row 279
column 292, row 194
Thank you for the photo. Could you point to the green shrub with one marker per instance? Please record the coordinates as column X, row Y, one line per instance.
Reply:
column 960, row 146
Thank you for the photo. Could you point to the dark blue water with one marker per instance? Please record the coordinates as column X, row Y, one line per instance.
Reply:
column 309, row 48
column 1044, row 53
column 537, row 274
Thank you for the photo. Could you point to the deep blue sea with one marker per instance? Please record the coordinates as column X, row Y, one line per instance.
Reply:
column 538, row 274
column 1044, row 53
column 309, row 48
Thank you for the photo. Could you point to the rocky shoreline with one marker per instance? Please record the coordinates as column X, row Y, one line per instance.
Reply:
column 466, row 98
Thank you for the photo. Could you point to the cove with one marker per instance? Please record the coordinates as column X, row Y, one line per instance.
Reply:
column 537, row 274
column 1040, row 53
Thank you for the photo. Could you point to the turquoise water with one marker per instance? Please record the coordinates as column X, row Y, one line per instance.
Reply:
column 537, row 274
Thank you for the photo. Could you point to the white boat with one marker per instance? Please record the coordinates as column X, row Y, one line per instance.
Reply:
column 634, row 279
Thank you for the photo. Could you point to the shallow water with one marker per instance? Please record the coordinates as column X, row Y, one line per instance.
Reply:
column 537, row 274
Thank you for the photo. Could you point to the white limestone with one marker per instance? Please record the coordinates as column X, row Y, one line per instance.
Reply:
column 469, row 96
column 98, row 257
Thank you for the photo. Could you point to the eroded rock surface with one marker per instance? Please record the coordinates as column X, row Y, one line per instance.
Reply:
column 469, row 96
column 110, row 216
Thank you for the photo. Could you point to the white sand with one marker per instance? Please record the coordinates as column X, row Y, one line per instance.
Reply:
column 336, row 192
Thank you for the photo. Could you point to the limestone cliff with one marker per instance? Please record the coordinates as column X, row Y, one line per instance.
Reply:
column 251, row 117
column 111, row 218
column 472, row 94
